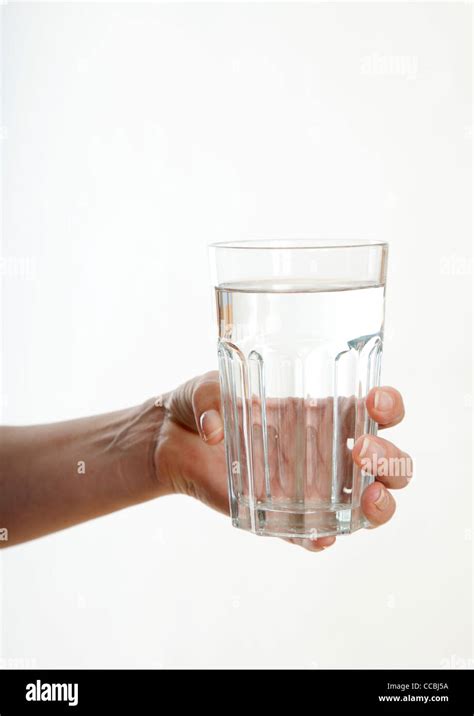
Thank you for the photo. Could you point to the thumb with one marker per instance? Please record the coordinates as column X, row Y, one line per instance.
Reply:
column 207, row 406
column 196, row 405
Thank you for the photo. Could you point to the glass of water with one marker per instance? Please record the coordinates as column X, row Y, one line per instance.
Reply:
column 300, row 328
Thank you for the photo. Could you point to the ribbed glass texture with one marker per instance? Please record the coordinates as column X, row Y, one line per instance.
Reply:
column 300, row 334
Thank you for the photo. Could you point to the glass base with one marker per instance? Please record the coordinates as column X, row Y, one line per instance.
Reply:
column 274, row 520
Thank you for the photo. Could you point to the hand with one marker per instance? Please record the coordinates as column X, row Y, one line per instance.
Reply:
column 189, row 456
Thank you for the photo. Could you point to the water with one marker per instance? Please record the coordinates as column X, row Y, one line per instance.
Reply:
column 296, row 361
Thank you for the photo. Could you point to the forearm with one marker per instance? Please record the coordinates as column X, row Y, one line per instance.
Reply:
column 54, row 476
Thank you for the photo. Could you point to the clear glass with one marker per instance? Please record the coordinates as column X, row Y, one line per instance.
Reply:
column 300, row 328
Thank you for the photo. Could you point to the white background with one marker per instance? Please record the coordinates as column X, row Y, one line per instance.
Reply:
column 134, row 135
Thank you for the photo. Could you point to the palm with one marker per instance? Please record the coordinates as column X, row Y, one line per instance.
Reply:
column 191, row 466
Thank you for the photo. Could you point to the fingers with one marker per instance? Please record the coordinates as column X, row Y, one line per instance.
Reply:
column 385, row 406
column 382, row 459
column 206, row 402
column 313, row 545
column 377, row 504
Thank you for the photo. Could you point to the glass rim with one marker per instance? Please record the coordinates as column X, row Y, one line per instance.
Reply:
column 298, row 244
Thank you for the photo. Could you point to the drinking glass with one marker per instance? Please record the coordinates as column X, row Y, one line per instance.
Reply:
column 300, row 327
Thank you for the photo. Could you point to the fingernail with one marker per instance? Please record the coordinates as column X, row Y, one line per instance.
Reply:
column 383, row 498
column 383, row 401
column 365, row 447
column 211, row 424
column 372, row 456
column 373, row 447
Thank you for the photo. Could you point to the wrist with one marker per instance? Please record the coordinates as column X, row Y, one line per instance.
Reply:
column 135, row 437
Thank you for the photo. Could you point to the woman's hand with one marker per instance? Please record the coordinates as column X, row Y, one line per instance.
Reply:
column 190, row 459
column 60, row 474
